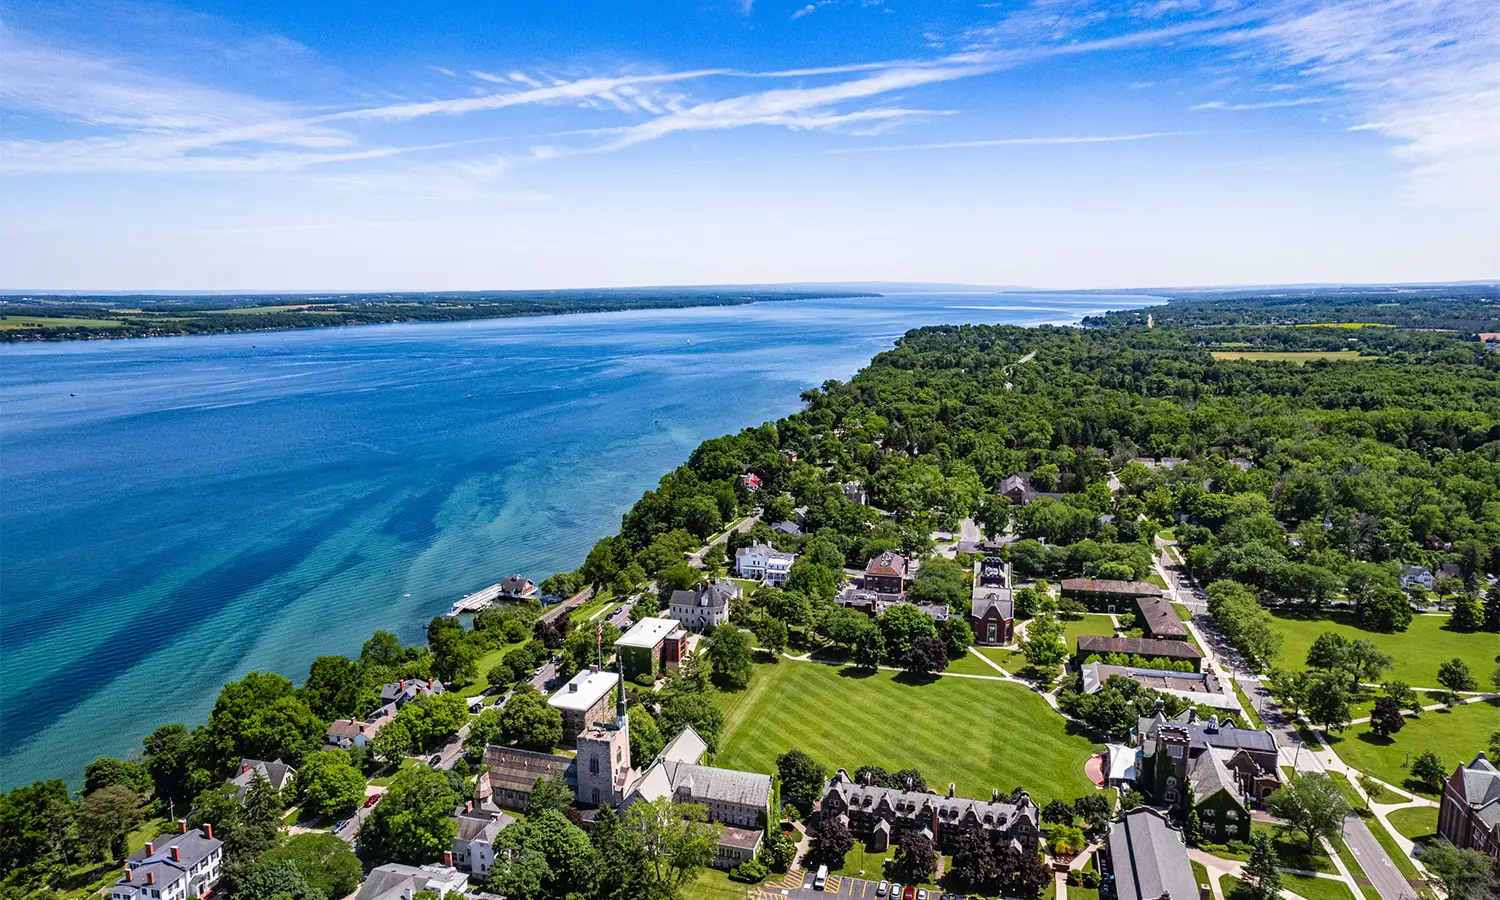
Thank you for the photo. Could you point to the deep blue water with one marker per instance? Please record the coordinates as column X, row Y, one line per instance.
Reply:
column 179, row 511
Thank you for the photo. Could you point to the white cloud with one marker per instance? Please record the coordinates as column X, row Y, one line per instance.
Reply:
column 1267, row 104
column 811, row 8
column 1015, row 142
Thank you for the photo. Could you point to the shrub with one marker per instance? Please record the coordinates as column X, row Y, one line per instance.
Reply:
column 750, row 871
column 644, row 679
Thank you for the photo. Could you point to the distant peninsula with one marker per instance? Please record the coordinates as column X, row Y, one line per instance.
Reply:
column 62, row 317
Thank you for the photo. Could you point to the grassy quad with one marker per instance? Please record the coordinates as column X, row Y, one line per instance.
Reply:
column 1417, row 651
column 1092, row 623
column 1416, row 823
column 1455, row 734
column 976, row 733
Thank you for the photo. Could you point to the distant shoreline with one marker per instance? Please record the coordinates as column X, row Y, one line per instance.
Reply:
column 45, row 317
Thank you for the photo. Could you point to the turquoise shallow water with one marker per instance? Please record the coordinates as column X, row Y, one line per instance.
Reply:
column 179, row 511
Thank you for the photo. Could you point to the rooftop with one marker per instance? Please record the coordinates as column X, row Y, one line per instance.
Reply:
column 1111, row 586
column 585, row 689
column 1093, row 643
column 1161, row 618
column 648, row 632
column 1149, row 858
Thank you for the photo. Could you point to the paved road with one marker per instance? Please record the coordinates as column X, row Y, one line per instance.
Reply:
column 1383, row 874
column 745, row 524
column 1371, row 855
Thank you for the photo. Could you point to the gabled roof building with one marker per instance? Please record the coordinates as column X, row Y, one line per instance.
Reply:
column 1469, row 816
column 1146, row 859
column 276, row 773
column 704, row 608
column 881, row 815
column 172, row 867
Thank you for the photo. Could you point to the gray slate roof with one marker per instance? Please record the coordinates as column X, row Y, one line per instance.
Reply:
column 719, row 785
column 1204, row 735
column 986, row 598
column 1149, row 859
column 278, row 773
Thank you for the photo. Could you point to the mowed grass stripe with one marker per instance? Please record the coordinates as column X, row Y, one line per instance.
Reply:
column 978, row 734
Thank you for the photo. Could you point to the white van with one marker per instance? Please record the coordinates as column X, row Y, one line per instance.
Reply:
column 820, row 880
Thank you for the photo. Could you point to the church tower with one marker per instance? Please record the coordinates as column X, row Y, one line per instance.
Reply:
column 604, row 769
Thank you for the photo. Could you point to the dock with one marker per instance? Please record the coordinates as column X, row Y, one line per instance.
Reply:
column 472, row 603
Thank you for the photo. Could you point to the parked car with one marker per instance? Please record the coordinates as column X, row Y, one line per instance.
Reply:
column 436, row 760
column 910, row 893
column 372, row 800
column 895, row 890
column 922, row 894
column 882, row 889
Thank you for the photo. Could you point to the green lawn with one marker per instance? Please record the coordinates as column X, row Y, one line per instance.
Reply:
column 1012, row 661
column 1301, row 885
column 1417, row 651
column 486, row 662
column 1082, row 893
column 1092, row 623
column 977, row 734
column 1363, row 708
column 1239, row 692
column 1415, row 822
column 873, row 865
column 1291, row 848
column 971, row 664
column 714, row 884
column 1456, row 734
column 1200, row 874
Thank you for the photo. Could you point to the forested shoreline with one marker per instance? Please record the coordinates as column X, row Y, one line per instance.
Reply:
column 45, row 317
column 1294, row 483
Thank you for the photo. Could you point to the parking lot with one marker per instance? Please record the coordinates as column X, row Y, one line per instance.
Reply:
column 800, row 885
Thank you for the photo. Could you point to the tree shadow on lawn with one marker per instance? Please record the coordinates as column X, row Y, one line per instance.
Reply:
column 856, row 672
column 916, row 678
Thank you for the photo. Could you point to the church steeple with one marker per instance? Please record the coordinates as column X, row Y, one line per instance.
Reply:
column 622, row 720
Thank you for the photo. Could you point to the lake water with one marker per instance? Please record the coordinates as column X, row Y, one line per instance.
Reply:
column 179, row 511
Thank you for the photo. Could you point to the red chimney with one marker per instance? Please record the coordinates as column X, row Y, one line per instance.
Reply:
column 448, row 857
column 469, row 806
column 151, row 878
column 403, row 684
column 182, row 826
column 429, row 684
column 208, row 831
column 151, row 848
column 130, row 874
column 244, row 767
column 176, row 854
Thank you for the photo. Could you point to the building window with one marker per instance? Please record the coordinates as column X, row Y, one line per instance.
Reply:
column 1233, row 815
column 596, row 796
column 594, row 766
column 989, row 630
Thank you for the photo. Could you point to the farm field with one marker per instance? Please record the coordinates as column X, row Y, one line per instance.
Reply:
column 1417, row 651
column 1291, row 356
column 978, row 734
column 13, row 323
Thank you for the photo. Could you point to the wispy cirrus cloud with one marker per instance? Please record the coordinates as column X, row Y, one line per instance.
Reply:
column 1015, row 142
column 1265, row 104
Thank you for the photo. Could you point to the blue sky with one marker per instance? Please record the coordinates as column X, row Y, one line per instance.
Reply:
column 295, row 144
